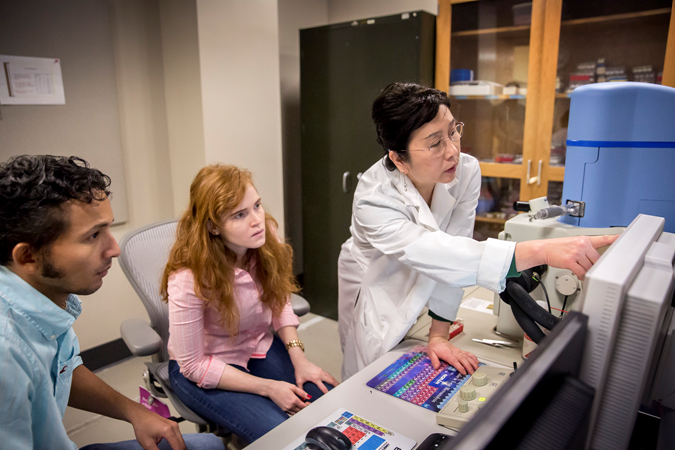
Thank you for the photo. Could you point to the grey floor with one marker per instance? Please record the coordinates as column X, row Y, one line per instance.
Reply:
column 322, row 346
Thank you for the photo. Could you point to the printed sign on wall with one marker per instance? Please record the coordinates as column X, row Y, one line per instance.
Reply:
column 31, row 81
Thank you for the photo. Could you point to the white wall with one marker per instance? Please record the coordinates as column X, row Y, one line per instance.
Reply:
column 294, row 15
column 345, row 10
column 183, row 95
column 239, row 61
column 139, row 71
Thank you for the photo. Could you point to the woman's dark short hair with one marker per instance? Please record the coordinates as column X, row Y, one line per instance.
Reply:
column 32, row 189
column 401, row 109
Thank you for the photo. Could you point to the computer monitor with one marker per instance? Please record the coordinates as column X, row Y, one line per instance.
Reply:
column 628, row 299
column 626, row 317
column 543, row 402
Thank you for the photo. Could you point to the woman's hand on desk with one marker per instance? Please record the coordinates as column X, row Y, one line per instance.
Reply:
column 440, row 349
column 308, row 372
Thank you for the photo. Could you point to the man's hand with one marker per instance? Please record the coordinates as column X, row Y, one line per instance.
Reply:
column 440, row 348
column 90, row 393
column 306, row 371
column 151, row 428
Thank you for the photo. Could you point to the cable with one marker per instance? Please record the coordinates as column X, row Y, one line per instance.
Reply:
column 548, row 302
column 528, row 325
column 538, row 314
column 564, row 305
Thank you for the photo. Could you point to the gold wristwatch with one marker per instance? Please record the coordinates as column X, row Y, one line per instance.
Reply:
column 296, row 343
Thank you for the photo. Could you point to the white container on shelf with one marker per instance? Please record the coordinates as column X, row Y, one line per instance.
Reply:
column 477, row 87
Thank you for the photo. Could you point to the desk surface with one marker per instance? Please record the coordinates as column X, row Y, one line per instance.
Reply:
column 398, row 415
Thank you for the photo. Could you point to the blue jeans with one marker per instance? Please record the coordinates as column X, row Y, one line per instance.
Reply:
column 195, row 441
column 249, row 416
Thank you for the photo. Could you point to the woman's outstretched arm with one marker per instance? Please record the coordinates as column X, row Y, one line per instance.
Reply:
column 577, row 253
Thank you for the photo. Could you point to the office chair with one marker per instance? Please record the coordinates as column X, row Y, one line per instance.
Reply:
column 144, row 254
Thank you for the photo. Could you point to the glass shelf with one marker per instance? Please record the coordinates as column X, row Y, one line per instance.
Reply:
column 512, row 29
column 495, row 206
column 487, row 97
column 570, row 22
column 616, row 17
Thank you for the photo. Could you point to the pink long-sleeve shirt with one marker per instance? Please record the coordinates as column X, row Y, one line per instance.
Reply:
column 198, row 342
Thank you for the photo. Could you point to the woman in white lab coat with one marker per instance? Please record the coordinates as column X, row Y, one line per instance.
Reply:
column 411, row 245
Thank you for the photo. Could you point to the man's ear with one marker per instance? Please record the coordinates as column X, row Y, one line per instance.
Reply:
column 24, row 257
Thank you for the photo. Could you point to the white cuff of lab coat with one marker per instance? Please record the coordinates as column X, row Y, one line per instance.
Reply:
column 445, row 300
column 494, row 264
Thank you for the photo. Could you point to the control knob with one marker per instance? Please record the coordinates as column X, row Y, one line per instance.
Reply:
column 467, row 392
column 479, row 378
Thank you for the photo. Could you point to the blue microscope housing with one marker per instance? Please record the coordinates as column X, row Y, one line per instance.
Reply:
column 621, row 154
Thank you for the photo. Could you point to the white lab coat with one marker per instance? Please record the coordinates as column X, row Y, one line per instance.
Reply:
column 404, row 255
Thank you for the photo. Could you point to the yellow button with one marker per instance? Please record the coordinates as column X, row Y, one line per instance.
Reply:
column 482, row 399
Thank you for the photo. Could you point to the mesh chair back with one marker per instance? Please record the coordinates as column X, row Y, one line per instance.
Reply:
column 144, row 254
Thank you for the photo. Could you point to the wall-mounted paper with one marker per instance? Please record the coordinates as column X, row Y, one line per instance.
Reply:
column 31, row 81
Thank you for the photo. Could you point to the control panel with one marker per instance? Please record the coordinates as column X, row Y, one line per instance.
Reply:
column 475, row 393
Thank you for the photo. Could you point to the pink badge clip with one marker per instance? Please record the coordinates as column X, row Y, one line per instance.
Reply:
column 153, row 403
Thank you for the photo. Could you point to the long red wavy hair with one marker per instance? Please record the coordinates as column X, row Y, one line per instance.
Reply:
column 215, row 192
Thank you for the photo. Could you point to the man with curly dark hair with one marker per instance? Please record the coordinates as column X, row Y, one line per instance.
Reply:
column 55, row 244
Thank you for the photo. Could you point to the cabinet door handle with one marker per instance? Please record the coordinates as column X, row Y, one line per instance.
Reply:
column 345, row 178
column 537, row 179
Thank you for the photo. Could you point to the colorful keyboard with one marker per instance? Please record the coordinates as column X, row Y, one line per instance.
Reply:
column 412, row 378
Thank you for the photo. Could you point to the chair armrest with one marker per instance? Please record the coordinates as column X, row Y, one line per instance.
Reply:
column 300, row 305
column 141, row 339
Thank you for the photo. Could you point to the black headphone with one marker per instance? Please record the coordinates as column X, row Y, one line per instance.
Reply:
column 526, row 311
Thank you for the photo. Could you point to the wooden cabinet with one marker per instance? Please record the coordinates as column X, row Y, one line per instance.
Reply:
column 519, row 137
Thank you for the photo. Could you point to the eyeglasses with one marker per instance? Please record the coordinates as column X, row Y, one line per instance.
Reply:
column 439, row 145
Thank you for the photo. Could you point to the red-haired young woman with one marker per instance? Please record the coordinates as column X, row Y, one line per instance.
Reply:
column 227, row 282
